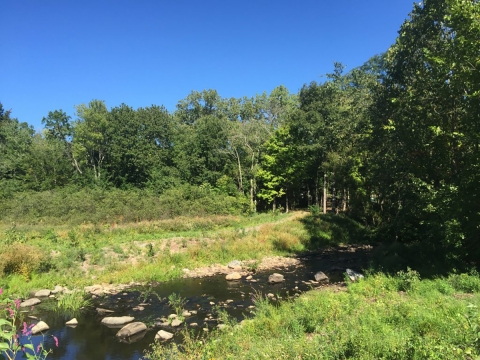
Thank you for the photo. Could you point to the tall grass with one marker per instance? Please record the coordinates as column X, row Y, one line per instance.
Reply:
column 372, row 319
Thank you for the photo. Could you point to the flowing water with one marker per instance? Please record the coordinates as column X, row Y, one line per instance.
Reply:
column 90, row 340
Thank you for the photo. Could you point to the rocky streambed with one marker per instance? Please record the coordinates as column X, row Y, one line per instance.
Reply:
column 125, row 319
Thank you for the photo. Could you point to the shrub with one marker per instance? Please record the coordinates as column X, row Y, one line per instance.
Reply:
column 22, row 259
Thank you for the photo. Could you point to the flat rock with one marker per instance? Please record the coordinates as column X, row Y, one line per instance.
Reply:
column 172, row 316
column 39, row 327
column 30, row 302
column 176, row 322
column 233, row 276
column 194, row 324
column 138, row 308
column 163, row 335
column 72, row 322
column 320, row 276
column 57, row 289
column 43, row 293
column 119, row 320
column 131, row 329
column 276, row 278
column 101, row 311
column 186, row 313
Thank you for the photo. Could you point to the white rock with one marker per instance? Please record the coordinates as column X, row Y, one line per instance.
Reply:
column 233, row 276
column 177, row 322
column 72, row 322
column 57, row 289
column 39, row 327
column 120, row 320
column 42, row 293
column 163, row 335
column 131, row 329
column 276, row 278
column 30, row 302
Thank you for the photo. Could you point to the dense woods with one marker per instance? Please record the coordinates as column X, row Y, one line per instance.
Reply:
column 395, row 144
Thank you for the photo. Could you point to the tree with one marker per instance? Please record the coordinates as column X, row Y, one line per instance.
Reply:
column 90, row 141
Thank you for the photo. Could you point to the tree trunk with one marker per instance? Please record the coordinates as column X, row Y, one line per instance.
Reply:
column 240, row 177
column 253, row 205
column 325, row 193
column 286, row 200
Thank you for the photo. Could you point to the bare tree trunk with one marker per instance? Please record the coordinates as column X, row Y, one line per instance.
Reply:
column 325, row 193
column 286, row 200
column 240, row 176
column 309, row 196
column 253, row 205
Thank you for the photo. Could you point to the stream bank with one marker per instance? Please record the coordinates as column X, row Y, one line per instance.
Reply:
column 205, row 292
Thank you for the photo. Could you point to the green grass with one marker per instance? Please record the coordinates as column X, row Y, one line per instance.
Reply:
column 72, row 303
column 58, row 254
column 372, row 319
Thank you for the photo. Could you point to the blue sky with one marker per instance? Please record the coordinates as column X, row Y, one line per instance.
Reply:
column 58, row 54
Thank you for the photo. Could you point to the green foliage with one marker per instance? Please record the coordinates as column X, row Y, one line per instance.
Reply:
column 371, row 320
column 72, row 303
column 176, row 302
column 15, row 341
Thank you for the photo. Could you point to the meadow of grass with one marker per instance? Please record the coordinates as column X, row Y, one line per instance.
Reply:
column 380, row 317
column 38, row 256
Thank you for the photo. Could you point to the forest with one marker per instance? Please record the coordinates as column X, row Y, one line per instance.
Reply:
column 394, row 142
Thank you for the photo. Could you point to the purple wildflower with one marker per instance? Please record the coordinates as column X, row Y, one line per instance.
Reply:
column 17, row 303
column 39, row 347
column 56, row 340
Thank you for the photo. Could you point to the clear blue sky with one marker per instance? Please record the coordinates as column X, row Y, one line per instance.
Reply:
column 58, row 54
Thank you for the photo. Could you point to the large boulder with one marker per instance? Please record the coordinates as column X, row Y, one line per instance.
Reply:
column 131, row 329
column 39, row 327
column 117, row 320
column 276, row 278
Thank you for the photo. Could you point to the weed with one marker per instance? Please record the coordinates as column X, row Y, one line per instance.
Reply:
column 176, row 302
column 150, row 251
column 72, row 303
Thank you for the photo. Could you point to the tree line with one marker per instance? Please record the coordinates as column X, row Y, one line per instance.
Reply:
column 394, row 142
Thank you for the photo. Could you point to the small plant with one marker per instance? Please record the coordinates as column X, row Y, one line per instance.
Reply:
column 71, row 303
column 184, row 243
column 407, row 279
column 315, row 210
column 150, row 251
column 73, row 238
column 12, row 235
column 176, row 302
column 14, row 341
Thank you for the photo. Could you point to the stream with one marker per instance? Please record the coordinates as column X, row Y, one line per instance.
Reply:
column 91, row 340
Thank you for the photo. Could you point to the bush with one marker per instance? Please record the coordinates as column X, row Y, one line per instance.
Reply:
column 22, row 259
column 76, row 206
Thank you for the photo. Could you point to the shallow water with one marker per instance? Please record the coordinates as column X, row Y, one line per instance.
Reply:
column 91, row 340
